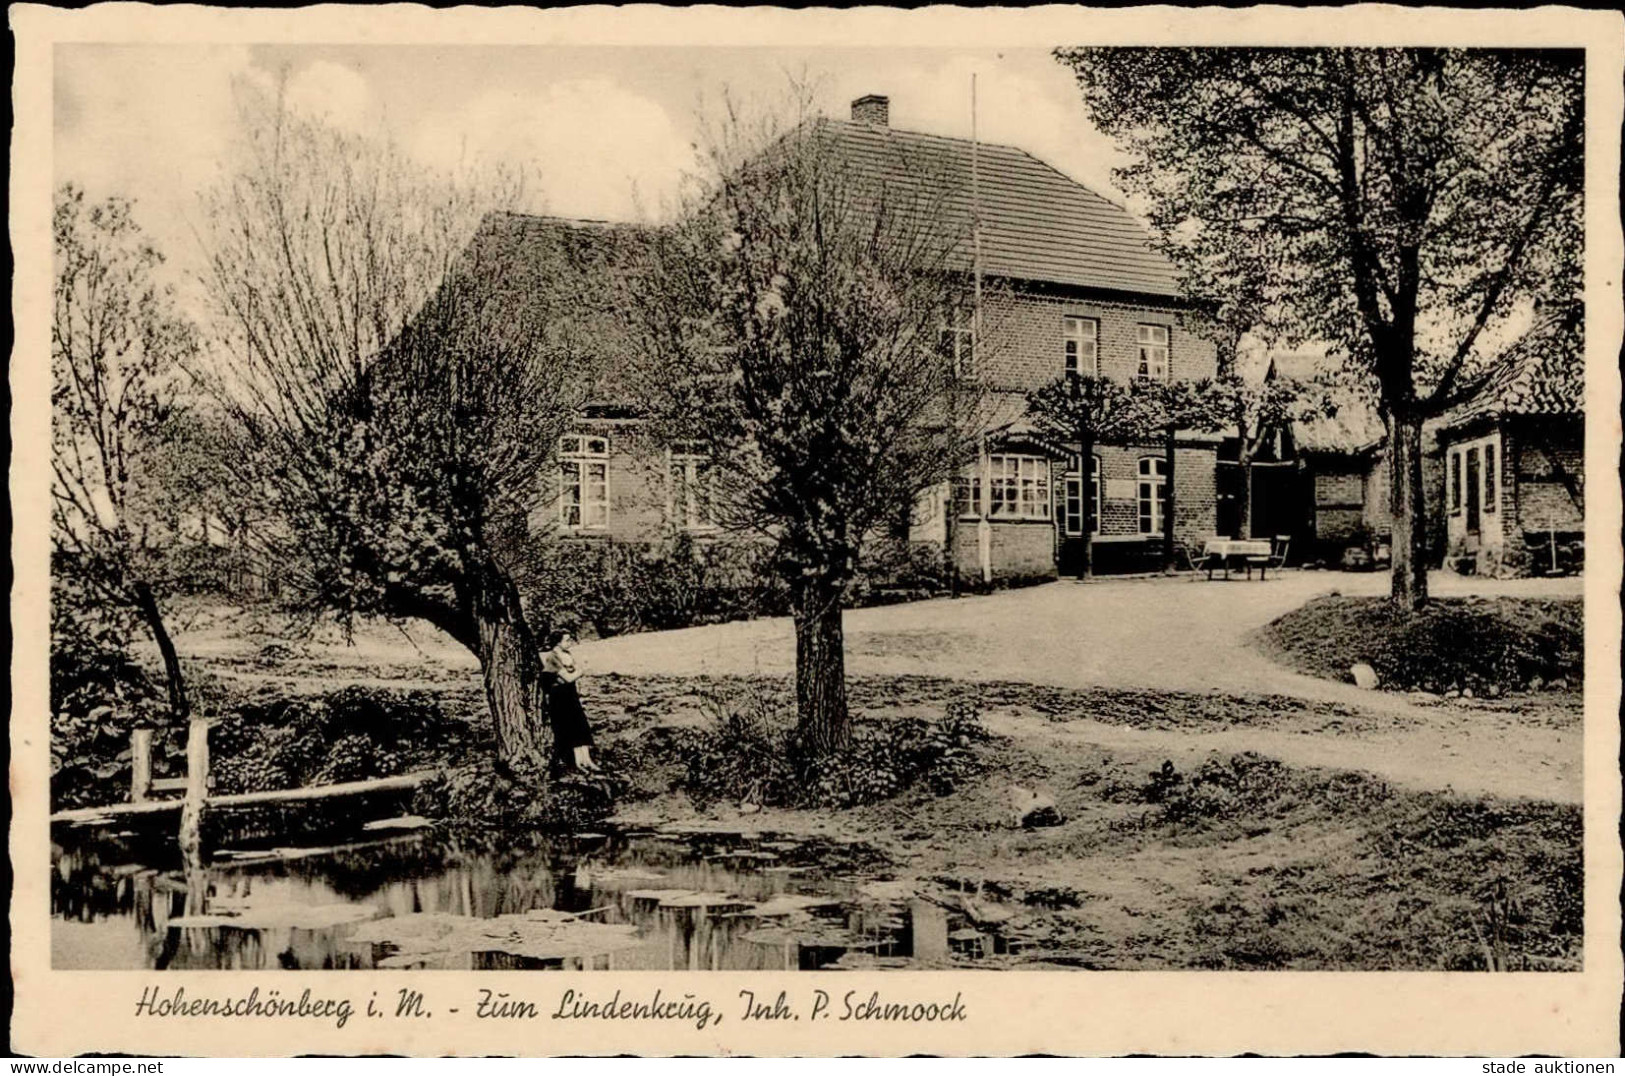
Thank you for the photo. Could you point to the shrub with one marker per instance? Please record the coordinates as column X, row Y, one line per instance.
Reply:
column 485, row 796
column 98, row 696
column 621, row 587
column 352, row 734
column 747, row 755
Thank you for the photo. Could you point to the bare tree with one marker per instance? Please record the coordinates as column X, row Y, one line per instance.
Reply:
column 1404, row 205
column 117, row 354
column 793, row 320
column 397, row 377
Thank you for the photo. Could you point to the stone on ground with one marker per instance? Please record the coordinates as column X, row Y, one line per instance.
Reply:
column 1031, row 809
column 1365, row 677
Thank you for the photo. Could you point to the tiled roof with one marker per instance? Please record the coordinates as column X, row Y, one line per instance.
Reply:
column 1541, row 374
column 1037, row 223
column 1353, row 425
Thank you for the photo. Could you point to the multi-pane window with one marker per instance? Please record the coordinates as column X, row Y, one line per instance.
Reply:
column 1081, row 344
column 1489, row 478
column 1074, row 498
column 583, row 481
column 691, row 481
column 955, row 341
column 1455, row 481
column 1019, row 488
column 967, row 491
column 1153, row 476
column 1153, row 341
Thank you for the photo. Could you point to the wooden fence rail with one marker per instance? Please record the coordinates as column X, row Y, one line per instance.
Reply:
column 195, row 785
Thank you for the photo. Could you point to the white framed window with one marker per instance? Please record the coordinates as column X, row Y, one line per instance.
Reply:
column 1081, row 345
column 956, row 339
column 1153, row 477
column 1490, row 488
column 584, row 481
column 1019, row 488
column 691, row 487
column 1074, row 498
column 1153, row 341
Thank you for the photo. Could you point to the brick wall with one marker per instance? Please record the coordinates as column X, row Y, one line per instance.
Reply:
column 1544, row 453
column 1194, row 490
column 1019, row 550
column 1023, row 346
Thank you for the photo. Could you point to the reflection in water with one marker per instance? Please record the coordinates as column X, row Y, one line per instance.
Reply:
column 417, row 902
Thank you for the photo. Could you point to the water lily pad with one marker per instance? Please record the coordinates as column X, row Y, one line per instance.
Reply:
column 887, row 892
column 703, row 900
column 619, row 877
column 277, row 916
column 656, row 895
column 405, row 821
column 431, row 936
column 788, row 904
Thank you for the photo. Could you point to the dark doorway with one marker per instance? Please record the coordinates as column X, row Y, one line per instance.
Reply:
column 1277, row 504
column 1229, row 487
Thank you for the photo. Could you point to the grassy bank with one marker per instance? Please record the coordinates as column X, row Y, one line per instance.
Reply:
column 1487, row 645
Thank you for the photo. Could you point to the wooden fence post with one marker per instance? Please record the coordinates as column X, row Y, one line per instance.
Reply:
column 197, row 788
column 140, row 765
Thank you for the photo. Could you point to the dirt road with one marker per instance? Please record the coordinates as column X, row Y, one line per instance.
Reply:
column 1180, row 634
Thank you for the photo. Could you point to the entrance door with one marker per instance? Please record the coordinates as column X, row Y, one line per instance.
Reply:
column 1473, row 488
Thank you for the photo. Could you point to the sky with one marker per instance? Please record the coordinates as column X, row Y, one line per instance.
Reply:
column 607, row 132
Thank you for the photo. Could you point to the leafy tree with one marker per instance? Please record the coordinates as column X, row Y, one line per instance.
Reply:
column 392, row 360
column 1251, row 410
column 117, row 352
column 793, row 316
column 1404, row 205
column 1086, row 411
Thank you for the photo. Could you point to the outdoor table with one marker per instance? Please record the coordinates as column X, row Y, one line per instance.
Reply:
column 1246, row 551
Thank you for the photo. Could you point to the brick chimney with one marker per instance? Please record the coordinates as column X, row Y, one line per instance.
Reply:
column 872, row 108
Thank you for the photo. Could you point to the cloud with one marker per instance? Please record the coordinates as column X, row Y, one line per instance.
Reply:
column 600, row 150
column 332, row 92
column 1023, row 99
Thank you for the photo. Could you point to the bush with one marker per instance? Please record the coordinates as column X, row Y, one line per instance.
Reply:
column 352, row 734
column 98, row 696
column 747, row 755
column 1246, row 785
column 621, row 587
column 483, row 796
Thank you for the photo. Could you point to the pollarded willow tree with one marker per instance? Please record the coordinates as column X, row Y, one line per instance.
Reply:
column 388, row 353
column 1404, row 205
column 794, row 317
column 118, row 352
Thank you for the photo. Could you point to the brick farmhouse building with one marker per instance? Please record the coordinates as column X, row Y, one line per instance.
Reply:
column 1074, row 284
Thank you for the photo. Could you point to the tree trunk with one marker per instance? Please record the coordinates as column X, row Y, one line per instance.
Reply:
column 147, row 604
column 511, row 667
column 1086, row 498
column 1245, row 456
column 1407, row 508
column 1168, row 564
column 822, row 721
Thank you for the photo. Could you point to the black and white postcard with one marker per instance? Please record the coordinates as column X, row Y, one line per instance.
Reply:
column 657, row 531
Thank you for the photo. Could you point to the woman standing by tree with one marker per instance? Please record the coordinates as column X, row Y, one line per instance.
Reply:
column 572, row 736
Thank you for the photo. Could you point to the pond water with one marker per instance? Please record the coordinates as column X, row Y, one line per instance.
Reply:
column 620, row 900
